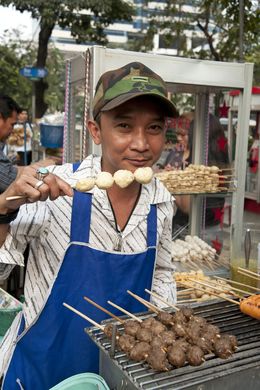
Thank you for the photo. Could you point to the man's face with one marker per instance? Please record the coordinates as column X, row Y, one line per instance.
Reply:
column 132, row 135
column 6, row 126
column 23, row 116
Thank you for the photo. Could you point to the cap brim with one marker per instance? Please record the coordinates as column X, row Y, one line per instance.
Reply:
column 171, row 110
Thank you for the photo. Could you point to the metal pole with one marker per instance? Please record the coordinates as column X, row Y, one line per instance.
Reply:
column 241, row 30
column 33, row 102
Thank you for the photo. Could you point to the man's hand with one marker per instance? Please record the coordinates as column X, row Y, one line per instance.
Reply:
column 27, row 185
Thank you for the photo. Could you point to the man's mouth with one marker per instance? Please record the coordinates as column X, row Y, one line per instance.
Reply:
column 137, row 162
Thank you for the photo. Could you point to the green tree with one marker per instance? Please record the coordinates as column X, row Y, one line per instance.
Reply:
column 85, row 26
column 217, row 20
column 15, row 53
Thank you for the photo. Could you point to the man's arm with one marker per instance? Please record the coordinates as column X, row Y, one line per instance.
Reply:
column 24, row 185
column 183, row 202
column 8, row 172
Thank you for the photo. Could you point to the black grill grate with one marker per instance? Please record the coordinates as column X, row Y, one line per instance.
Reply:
column 228, row 318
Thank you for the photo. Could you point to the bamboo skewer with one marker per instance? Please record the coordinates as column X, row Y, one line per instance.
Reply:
column 184, row 292
column 161, row 299
column 249, row 272
column 104, row 310
column 216, row 288
column 188, row 300
column 238, row 289
column 248, row 275
column 144, row 302
column 16, row 197
column 125, row 311
column 238, row 283
column 226, row 169
column 216, row 295
column 83, row 316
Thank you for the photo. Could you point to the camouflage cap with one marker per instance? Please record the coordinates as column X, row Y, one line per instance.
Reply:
column 117, row 86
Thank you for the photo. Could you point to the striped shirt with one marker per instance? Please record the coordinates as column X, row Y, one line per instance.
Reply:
column 46, row 225
column 8, row 171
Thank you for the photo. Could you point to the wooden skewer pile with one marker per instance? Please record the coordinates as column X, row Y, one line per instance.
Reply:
column 196, row 179
column 193, row 281
column 249, row 305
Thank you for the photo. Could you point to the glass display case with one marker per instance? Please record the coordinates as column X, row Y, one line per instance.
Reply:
column 195, row 85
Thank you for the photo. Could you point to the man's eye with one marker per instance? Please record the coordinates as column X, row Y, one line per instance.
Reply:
column 123, row 125
column 155, row 129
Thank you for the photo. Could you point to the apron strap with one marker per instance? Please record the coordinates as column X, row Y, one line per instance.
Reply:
column 75, row 166
column 152, row 226
column 81, row 214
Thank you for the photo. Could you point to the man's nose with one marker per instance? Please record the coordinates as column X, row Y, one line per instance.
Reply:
column 140, row 141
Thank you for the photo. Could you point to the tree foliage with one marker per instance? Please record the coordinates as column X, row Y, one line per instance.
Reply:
column 217, row 20
column 16, row 53
column 85, row 18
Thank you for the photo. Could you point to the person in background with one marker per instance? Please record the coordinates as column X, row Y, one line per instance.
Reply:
column 20, row 141
column 98, row 243
column 9, row 111
column 9, row 114
column 179, row 156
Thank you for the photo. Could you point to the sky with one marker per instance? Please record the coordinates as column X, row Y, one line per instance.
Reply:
column 10, row 19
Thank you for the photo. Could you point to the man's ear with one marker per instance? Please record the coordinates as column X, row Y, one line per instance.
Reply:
column 94, row 131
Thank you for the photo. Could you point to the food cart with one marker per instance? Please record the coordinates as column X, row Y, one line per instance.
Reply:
column 203, row 80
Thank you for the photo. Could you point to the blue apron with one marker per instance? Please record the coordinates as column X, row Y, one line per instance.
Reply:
column 55, row 346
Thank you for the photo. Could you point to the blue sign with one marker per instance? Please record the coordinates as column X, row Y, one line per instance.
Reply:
column 33, row 72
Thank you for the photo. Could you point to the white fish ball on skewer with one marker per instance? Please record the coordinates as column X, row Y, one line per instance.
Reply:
column 143, row 175
column 85, row 185
column 104, row 180
column 123, row 178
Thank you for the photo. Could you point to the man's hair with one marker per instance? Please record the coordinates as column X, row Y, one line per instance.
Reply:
column 8, row 106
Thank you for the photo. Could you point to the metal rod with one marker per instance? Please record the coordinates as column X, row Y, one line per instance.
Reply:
column 113, row 341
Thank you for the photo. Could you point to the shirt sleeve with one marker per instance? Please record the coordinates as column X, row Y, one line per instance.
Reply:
column 31, row 223
column 8, row 172
column 163, row 282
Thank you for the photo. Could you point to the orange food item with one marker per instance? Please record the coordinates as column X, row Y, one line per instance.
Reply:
column 251, row 306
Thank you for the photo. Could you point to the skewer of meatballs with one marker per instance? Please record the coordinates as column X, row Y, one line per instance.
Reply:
column 167, row 340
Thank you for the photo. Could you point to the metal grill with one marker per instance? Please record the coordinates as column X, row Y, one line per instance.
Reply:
column 241, row 371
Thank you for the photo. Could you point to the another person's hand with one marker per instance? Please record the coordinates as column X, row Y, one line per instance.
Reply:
column 33, row 189
column 44, row 163
column 41, row 163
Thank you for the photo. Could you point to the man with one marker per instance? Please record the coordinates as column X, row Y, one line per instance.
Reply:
column 21, row 139
column 9, row 110
column 99, row 244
